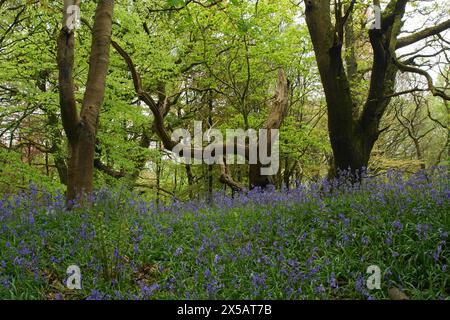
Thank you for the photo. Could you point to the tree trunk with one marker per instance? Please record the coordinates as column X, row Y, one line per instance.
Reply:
column 274, row 121
column 80, row 171
column 256, row 180
column 61, row 167
column 190, row 179
column 352, row 138
column 81, row 129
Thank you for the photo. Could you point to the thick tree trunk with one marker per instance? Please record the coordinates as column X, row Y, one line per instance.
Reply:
column 80, row 171
column 81, row 129
column 328, row 48
column 353, row 137
column 256, row 180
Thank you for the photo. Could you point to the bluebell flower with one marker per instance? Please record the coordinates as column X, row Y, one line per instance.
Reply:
column 96, row 295
column 397, row 224
column 178, row 251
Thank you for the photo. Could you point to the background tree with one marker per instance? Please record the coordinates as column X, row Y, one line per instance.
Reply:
column 353, row 137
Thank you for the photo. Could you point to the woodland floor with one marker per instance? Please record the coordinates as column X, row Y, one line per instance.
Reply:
column 315, row 242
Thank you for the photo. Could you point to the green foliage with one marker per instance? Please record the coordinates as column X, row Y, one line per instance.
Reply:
column 18, row 175
column 210, row 61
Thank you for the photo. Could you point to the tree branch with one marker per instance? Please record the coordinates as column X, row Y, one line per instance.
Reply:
column 226, row 179
column 404, row 68
column 406, row 41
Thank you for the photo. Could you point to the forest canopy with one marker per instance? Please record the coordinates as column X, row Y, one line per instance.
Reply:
column 84, row 111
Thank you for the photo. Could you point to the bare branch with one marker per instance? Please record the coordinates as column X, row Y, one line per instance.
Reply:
column 404, row 68
column 406, row 41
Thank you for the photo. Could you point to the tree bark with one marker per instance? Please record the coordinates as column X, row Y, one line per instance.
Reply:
column 81, row 129
column 274, row 121
column 352, row 139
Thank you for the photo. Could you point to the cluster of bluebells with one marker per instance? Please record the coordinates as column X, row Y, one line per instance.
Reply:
column 314, row 241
